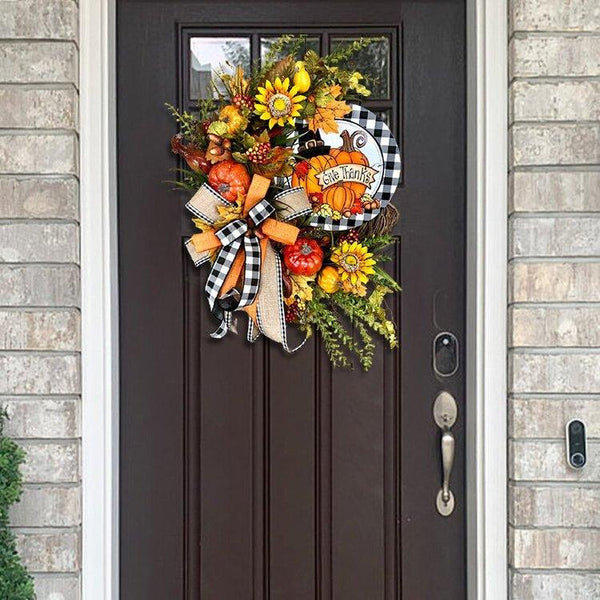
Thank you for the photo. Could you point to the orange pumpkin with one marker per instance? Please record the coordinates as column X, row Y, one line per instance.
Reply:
column 339, row 196
column 229, row 178
column 347, row 154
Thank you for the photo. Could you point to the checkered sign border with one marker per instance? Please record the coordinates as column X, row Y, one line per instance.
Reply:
column 392, row 170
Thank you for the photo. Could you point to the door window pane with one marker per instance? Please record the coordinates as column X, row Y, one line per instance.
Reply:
column 308, row 43
column 373, row 62
column 385, row 116
column 209, row 54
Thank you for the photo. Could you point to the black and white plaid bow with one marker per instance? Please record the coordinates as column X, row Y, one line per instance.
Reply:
column 232, row 236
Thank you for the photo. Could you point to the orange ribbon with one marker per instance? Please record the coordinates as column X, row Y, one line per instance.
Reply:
column 269, row 230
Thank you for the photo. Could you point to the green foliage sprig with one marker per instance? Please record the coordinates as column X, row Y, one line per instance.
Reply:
column 346, row 321
column 344, row 51
column 277, row 61
column 191, row 181
column 15, row 582
column 335, row 338
column 332, row 314
column 191, row 125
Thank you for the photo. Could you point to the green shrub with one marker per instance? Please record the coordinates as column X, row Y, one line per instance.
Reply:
column 15, row 582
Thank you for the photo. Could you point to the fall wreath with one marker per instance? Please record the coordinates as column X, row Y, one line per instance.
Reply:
column 292, row 181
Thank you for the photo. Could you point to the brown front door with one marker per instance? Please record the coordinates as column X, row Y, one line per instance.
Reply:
column 247, row 474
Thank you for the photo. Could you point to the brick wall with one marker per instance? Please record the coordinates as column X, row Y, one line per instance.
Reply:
column 554, row 278
column 39, row 279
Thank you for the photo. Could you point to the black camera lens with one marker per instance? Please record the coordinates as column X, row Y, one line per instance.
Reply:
column 576, row 427
column 577, row 459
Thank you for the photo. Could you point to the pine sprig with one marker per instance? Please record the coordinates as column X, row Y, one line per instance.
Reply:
column 342, row 52
column 332, row 334
column 377, row 243
column 382, row 278
column 189, row 125
column 370, row 311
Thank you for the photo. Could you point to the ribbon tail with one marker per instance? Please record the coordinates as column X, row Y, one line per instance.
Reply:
column 251, row 271
column 251, row 309
column 215, row 281
column 253, row 332
column 270, row 308
column 223, row 327
column 219, row 271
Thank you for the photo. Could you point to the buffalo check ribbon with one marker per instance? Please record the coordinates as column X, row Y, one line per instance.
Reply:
column 246, row 272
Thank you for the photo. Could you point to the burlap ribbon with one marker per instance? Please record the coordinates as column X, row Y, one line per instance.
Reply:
column 246, row 273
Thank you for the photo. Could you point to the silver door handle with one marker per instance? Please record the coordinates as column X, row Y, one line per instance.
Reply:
column 445, row 413
column 447, row 463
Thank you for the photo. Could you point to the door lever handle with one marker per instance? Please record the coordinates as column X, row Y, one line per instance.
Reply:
column 445, row 412
column 447, row 464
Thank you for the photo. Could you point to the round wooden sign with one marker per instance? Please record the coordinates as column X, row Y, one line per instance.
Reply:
column 350, row 175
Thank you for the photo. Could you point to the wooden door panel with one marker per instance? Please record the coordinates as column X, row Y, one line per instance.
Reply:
column 292, row 467
column 223, row 397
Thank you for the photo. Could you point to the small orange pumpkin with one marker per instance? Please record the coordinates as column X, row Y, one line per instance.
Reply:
column 347, row 153
column 339, row 196
column 329, row 280
column 229, row 178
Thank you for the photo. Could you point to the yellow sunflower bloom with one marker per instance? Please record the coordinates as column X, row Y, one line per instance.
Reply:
column 354, row 262
column 278, row 103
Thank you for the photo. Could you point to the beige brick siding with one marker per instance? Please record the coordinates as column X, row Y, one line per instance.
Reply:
column 39, row 279
column 554, row 298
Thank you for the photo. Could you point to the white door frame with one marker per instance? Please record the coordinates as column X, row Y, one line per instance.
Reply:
column 486, row 305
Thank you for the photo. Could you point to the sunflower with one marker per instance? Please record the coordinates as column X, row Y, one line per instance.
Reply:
column 277, row 103
column 354, row 262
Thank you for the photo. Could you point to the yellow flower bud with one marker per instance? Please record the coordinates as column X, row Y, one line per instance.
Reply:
column 302, row 80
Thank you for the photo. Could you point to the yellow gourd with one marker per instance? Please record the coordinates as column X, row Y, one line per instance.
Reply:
column 301, row 78
column 329, row 280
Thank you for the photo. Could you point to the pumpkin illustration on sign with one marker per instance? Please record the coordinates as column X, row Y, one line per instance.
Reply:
column 338, row 179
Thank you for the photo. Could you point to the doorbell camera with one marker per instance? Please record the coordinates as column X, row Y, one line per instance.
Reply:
column 576, row 444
